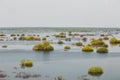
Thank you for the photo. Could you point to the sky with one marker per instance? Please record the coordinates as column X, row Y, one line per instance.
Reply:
column 59, row 13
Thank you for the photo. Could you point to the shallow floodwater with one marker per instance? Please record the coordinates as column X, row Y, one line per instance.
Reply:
column 71, row 64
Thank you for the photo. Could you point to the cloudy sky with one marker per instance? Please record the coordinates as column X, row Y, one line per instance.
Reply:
column 56, row 13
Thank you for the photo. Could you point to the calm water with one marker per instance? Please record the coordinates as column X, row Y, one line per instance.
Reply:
column 70, row 64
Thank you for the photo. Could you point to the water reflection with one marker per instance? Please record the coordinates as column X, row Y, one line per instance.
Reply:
column 111, row 44
column 46, row 56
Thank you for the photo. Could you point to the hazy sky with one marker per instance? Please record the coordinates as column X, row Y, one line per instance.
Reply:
column 59, row 13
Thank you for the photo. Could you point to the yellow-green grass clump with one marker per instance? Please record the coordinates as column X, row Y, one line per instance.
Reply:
column 4, row 46
column 26, row 63
column 47, row 36
column 106, row 38
column 59, row 78
column 70, row 33
column 102, row 50
column 84, row 39
column 87, row 49
column 67, row 39
column 60, row 42
column 95, row 71
column 22, row 38
column 18, row 34
column 2, row 34
column 98, row 43
column 14, row 38
column 67, row 47
column 44, row 38
column 62, row 35
column 22, row 34
column 32, row 38
column 100, row 39
column 13, row 35
column 78, row 44
column 114, row 41
column 29, row 38
column 44, row 46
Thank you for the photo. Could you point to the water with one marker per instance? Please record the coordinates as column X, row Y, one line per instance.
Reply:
column 71, row 64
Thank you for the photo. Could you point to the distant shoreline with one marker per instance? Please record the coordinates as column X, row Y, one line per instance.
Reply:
column 55, row 29
column 63, row 27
